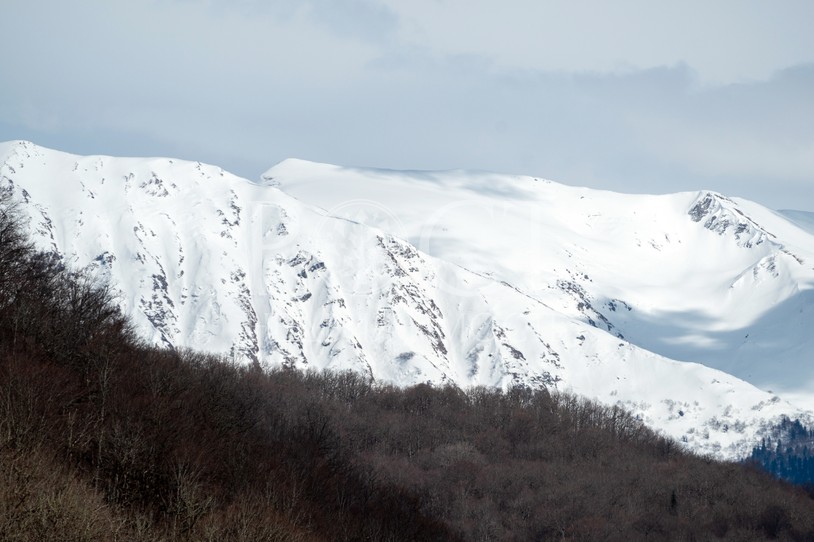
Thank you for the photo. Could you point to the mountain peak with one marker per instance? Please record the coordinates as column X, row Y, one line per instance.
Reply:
column 722, row 215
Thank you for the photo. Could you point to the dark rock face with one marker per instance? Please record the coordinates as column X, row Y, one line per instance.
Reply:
column 721, row 215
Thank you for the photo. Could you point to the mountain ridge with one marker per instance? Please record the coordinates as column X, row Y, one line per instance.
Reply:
column 205, row 259
column 724, row 285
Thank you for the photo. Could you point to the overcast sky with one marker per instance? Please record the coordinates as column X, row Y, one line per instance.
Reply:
column 625, row 95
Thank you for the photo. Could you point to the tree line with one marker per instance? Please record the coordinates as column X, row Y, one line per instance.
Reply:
column 788, row 453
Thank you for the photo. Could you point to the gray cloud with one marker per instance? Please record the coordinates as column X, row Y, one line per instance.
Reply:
column 377, row 83
column 725, row 41
column 356, row 18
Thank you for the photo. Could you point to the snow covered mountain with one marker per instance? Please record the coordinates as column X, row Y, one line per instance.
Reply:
column 693, row 277
column 449, row 277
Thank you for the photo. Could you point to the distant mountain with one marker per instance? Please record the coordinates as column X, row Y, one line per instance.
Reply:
column 804, row 219
column 474, row 279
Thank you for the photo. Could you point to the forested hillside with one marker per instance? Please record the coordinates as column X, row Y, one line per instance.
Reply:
column 103, row 438
column 788, row 453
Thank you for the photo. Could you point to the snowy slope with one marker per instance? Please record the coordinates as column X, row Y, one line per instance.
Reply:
column 204, row 259
column 694, row 276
